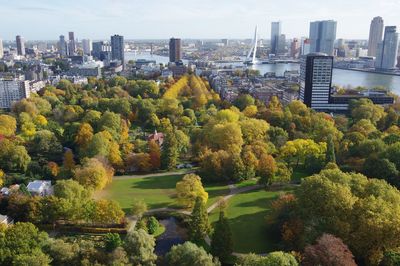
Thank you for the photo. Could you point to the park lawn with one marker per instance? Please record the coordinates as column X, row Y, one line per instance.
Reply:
column 247, row 214
column 156, row 191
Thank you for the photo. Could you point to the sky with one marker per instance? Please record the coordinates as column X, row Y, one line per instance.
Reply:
column 205, row 19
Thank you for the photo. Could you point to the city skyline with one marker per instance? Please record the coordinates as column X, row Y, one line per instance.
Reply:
column 206, row 19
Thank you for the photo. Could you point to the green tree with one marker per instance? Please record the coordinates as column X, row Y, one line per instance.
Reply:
column 169, row 154
column 139, row 207
column 330, row 151
column 221, row 242
column 189, row 254
column 199, row 225
column 112, row 241
column 189, row 189
column 139, row 246
column 277, row 258
column 152, row 225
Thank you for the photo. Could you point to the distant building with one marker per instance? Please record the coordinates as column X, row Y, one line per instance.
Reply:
column 20, row 45
column 322, row 36
column 275, row 35
column 225, row 42
column 316, row 84
column 387, row 49
column 71, row 44
column 281, row 44
column 1, row 49
column 4, row 219
column 40, row 188
column 157, row 137
column 87, row 46
column 13, row 90
column 62, row 46
column 175, row 50
column 295, row 48
column 305, row 47
column 118, row 48
column 101, row 51
column 375, row 35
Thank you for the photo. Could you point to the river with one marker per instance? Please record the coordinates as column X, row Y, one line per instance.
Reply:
column 340, row 77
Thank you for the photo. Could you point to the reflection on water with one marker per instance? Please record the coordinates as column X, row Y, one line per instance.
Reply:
column 174, row 235
column 340, row 77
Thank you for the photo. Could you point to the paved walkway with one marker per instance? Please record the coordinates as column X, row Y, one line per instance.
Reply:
column 183, row 172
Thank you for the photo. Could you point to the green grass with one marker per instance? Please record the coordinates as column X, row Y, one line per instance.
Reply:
column 247, row 183
column 247, row 217
column 156, row 191
column 160, row 230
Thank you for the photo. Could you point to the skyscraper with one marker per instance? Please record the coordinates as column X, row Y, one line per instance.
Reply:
column 375, row 35
column 275, row 34
column 305, row 47
column 175, row 50
column 387, row 50
column 20, row 45
column 295, row 48
column 71, row 43
column 281, row 47
column 316, row 80
column 1, row 49
column 87, row 46
column 322, row 36
column 62, row 46
column 117, row 48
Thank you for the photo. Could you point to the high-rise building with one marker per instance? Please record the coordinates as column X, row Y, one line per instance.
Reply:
column 101, row 50
column 87, row 46
column 295, row 48
column 20, row 45
column 117, row 48
column 281, row 48
column 322, row 36
column 1, row 49
column 316, row 80
column 175, row 50
column 387, row 49
column 62, row 46
column 13, row 90
column 305, row 47
column 275, row 34
column 71, row 43
column 375, row 35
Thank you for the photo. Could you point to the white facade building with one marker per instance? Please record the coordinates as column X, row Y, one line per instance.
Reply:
column 13, row 90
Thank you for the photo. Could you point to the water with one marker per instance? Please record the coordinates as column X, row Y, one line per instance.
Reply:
column 174, row 235
column 340, row 77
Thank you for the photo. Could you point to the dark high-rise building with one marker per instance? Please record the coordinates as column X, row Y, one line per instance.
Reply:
column 316, row 80
column 275, row 35
column 20, row 45
column 71, row 44
column 387, row 50
column 175, row 50
column 62, row 46
column 101, row 50
column 117, row 48
column 322, row 36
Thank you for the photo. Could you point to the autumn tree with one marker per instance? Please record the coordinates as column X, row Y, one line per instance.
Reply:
column 84, row 136
column 267, row 168
column 8, row 125
column 189, row 189
column 155, row 154
column 298, row 150
column 329, row 250
column 93, row 174
column 107, row 212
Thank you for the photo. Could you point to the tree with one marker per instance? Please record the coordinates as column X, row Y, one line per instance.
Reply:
column 152, row 225
column 155, row 155
column 8, row 125
column 221, row 242
column 93, row 174
column 199, row 225
column 189, row 189
column 61, row 252
column 277, row 258
column 170, row 154
column 139, row 245
column 390, row 258
column 227, row 137
column 13, row 157
column 112, row 241
column 267, row 169
column 189, row 254
column 68, row 161
column 298, row 150
column 365, row 109
column 329, row 250
column 330, row 151
column 84, row 135
column 99, row 145
column 46, row 144
column 139, row 207
column 19, row 242
column 381, row 168
column 35, row 258
column 107, row 212
column 253, row 129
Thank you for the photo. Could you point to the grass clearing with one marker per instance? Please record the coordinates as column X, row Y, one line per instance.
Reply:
column 246, row 213
column 157, row 191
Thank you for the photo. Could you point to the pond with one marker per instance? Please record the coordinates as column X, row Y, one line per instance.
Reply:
column 174, row 234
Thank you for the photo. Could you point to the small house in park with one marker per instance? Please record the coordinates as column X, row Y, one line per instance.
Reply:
column 40, row 188
column 4, row 219
column 157, row 137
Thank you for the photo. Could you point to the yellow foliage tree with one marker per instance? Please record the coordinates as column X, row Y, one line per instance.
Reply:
column 188, row 189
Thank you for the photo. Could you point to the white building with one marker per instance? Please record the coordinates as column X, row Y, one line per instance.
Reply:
column 13, row 90
column 375, row 35
column 40, row 187
column 1, row 49
column 386, row 57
